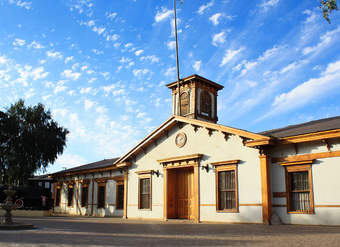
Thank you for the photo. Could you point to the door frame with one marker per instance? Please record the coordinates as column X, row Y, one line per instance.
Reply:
column 182, row 162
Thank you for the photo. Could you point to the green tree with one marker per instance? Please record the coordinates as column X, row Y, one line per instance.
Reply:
column 29, row 140
column 327, row 6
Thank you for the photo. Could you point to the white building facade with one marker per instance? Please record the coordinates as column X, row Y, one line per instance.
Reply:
column 192, row 168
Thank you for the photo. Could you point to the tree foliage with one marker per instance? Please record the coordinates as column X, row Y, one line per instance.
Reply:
column 327, row 6
column 29, row 140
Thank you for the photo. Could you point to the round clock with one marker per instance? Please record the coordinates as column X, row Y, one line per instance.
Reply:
column 181, row 139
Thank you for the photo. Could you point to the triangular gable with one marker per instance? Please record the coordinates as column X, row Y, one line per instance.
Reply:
column 173, row 121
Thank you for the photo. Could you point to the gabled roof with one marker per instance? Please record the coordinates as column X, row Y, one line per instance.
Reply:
column 172, row 121
column 95, row 167
column 320, row 125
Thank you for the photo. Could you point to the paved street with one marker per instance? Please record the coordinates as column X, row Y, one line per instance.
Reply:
column 67, row 231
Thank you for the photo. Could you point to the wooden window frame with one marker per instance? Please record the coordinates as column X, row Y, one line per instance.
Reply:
column 58, row 187
column 299, row 168
column 70, row 186
column 188, row 103
column 223, row 168
column 101, row 184
column 203, row 96
column 84, row 185
column 119, row 183
column 140, row 177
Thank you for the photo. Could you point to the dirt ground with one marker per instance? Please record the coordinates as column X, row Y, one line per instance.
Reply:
column 83, row 231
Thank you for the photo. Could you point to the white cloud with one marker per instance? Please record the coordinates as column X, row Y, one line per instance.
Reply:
column 326, row 39
column 141, row 114
column 204, row 7
column 139, row 52
column 85, row 90
column 67, row 161
column 171, row 45
column 19, row 42
column 88, row 104
column 229, row 55
column 98, row 30
column 97, row 52
column 55, row 55
column 289, row 67
column 163, row 14
column 22, row 4
column 59, row 88
column 68, row 59
column 39, row 73
column 218, row 38
column 89, row 23
column 140, row 72
column 309, row 91
column 112, row 37
column 170, row 72
column 248, row 66
column 266, row 4
column 35, row 45
column 30, row 93
column 111, row 16
column 197, row 65
column 128, row 45
column 69, row 74
column 215, row 18
column 152, row 58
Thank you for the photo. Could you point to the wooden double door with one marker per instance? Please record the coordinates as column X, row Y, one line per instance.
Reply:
column 180, row 188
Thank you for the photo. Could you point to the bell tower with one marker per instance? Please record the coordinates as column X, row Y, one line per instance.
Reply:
column 198, row 98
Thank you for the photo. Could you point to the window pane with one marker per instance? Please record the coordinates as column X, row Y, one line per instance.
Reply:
column 120, row 196
column 299, row 191
column 101, row 197
column 184, row 103
column 226, row 190
column 70, row 197
column 84, row 196
column 144, row 193
column 57, row 198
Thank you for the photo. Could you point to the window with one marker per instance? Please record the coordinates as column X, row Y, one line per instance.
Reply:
column 145, row 192
column 101, row 195
column 84, row 194
column 299, row 189
column 57, row 196
column 184, row 99
column 226, row 186
column 205, row 104
column 120, row 195
column 226, row 190
column 70, row 195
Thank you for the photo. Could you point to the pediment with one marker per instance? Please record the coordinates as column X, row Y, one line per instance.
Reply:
column 167, row 126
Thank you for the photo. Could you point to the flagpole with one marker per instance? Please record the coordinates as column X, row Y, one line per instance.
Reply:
column 177, row 63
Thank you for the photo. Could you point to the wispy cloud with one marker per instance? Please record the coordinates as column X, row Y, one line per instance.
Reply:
column 163, row 14
column 219, row 38
column 267, row 4
column 230, row 54
column 311, row 90
column 204, row 7
column 55, row 55
column 197, row 65
column 22, row 4
column 69, row 74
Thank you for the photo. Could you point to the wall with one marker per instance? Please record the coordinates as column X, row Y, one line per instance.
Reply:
column 76, row 209
column 214, row 148
column 325, row 180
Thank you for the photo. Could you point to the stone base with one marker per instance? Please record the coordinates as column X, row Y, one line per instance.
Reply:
column 16, row 226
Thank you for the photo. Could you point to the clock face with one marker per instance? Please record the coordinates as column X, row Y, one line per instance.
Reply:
column 181, row 139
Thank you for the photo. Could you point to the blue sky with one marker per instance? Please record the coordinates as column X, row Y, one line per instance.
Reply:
column 101, row 66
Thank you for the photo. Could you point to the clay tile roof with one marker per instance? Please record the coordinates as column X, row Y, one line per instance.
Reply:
column 305, row 128
column 95, row 165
